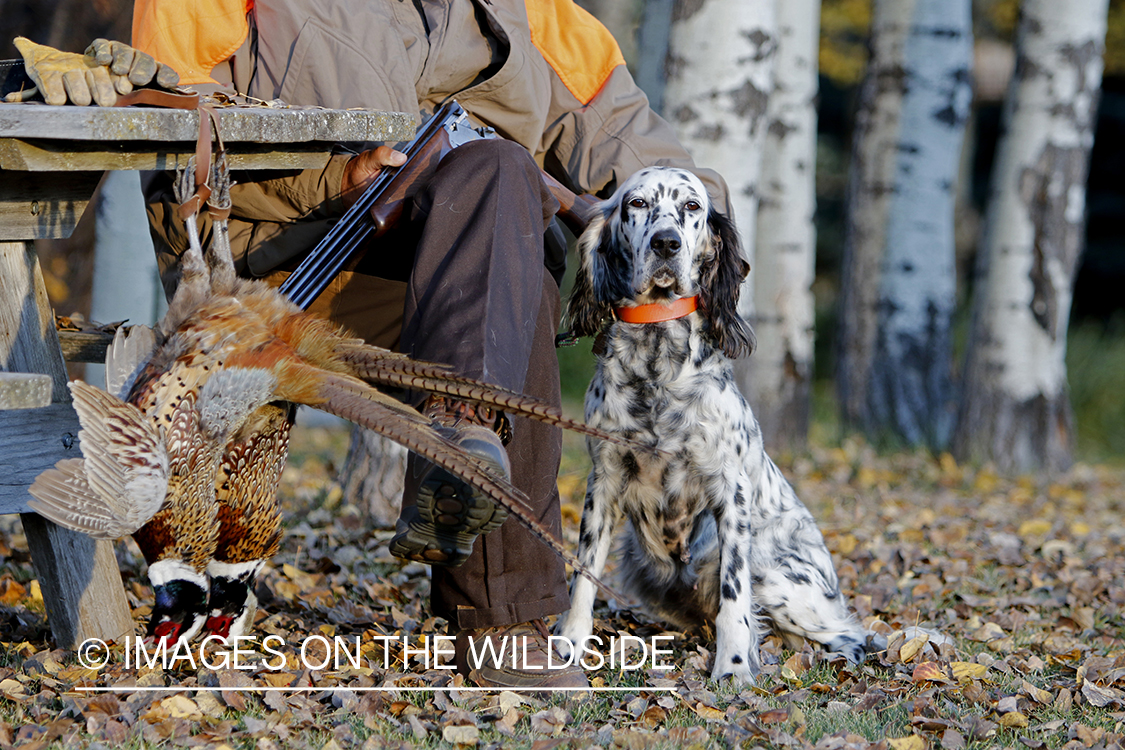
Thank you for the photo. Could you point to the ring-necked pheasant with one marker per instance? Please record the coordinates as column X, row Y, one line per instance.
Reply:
column 186, row 448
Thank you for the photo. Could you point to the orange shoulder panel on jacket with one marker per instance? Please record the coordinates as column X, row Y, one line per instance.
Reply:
column 577, row 46
column 192, row 36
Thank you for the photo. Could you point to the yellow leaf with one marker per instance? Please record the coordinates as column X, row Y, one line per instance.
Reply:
column 846, row 544
column 182, row 707
column 913, row 742
column 1078, row 528
column 1035, row 527
column 796, row 666
column 709, row 712
column 10, row 686
column 986, row 481
column 963, row 671
column 278, row 679
column 1013, row 719
column 911, row 648
column 1037, row 693
column 866, row 477
column 11, row 592
column 929, row 671
column 77, row 674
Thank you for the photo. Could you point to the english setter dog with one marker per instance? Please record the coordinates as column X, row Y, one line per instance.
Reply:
column 715, row 532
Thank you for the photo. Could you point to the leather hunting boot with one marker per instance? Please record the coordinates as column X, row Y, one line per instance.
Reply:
column 514, row 656
column 449, row 513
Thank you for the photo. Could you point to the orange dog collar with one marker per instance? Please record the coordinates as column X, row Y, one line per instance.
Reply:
column 655, row 312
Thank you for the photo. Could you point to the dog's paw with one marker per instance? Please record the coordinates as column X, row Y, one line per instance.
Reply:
column 563, row 647
column 743, row 668
column 742, row 673
column 851, row 648
column 571, row 635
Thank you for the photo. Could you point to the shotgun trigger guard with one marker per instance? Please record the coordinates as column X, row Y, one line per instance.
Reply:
column 461, row 131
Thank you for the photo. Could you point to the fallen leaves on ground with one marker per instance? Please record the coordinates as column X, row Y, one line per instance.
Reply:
column 995, row 603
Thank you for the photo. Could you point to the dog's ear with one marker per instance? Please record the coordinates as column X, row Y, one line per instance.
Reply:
column 588, row 308
column 720, row 285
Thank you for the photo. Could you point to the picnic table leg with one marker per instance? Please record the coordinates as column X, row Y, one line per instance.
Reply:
column 79, row 577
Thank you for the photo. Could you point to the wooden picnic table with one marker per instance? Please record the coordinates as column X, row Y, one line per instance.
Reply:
column 51, row 159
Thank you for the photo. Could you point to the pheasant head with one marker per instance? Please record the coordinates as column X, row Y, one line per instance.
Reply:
column 180, row 606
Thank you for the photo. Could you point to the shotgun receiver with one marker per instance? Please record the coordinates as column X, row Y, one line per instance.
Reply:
column 381, row 205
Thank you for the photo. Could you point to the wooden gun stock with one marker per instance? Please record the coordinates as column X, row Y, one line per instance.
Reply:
column 387, row 211
column 574, row 210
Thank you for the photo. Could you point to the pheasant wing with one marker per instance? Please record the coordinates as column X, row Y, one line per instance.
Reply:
column 126, row 357
column 126, row 463
column 63, row 495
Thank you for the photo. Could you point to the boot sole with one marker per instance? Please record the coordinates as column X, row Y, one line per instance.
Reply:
column 453, row 514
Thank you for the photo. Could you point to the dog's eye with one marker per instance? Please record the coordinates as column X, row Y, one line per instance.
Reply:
column 638, row 203
column 692, row 206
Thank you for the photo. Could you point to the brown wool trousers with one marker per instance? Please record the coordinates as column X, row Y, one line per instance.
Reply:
column 476, row 296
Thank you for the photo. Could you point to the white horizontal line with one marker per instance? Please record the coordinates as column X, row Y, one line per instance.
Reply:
column 411, row 689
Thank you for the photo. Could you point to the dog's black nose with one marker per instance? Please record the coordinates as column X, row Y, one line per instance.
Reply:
column 665, row 244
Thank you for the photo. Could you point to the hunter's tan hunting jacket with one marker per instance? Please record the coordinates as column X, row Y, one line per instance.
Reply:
column 543, row 73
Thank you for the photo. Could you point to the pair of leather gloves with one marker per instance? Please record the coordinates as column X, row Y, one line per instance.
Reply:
column 104, row 71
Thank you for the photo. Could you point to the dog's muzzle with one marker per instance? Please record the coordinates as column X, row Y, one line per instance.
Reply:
column 665, row 244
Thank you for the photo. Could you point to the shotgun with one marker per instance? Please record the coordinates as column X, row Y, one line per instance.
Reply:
column 381, row 205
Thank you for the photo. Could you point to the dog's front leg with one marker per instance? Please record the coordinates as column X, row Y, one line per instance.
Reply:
column 599, row 516
column 736, row 627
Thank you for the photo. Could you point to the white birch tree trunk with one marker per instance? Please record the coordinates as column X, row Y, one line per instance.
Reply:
column 780, row 371
column 910, row 395
column 870, row 187
column 719, row 69
column 1015, row 410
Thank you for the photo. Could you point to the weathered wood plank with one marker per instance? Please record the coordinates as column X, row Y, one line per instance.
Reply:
column 85, row 346
column 250, row 124
column 28, row 341
column 79, row 577
column 23, row 390
column 31, row 441
column 40, row 155
column 45, row 205
column 81, row 584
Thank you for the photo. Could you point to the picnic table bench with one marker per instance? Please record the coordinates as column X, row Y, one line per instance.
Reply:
column 51, row 159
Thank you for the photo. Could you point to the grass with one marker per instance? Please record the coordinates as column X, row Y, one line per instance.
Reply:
column 1095, row 361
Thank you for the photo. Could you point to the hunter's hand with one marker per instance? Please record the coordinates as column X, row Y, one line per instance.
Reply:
column 365, row 167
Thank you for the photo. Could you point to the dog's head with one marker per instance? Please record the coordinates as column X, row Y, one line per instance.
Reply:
column 657, row 239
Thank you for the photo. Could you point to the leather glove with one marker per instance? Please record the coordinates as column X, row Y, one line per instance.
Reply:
column 130, row 64
column 107, row 69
